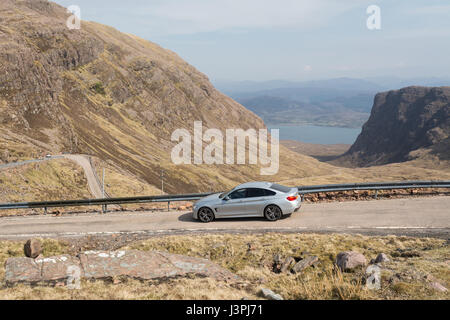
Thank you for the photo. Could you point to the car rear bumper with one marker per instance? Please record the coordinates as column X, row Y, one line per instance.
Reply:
column 292, row 206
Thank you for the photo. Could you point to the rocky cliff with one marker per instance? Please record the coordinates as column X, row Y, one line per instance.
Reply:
column 405, row 124
column 101, row 92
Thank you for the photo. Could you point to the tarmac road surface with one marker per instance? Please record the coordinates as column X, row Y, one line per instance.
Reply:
column 427, row 216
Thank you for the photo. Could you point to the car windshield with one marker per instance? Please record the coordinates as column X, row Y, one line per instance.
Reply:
column 222, row 195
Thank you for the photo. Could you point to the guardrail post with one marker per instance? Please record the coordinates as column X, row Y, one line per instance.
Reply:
column 376, row 194
column 104, row 208
column 168, row 205
column 45, row 210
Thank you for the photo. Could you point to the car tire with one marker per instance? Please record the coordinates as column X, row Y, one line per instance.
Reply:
column 273, row 212
column 205, row 215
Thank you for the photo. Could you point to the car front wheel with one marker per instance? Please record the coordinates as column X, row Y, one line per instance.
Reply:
column 273, row 213
column 205, row 215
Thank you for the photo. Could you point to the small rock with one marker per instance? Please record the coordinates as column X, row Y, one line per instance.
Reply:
column 305, row 263
column 349, row 260
column 286, row 265
column 429, row 277
column 269, row 294
column 382, row 257
column 438, row 287
column 32, row 248
column 251, row 246
column 277, row 259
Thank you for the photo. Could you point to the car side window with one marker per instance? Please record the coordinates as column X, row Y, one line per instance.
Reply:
column 255, row 192
column 238, row 194
column 269, row 192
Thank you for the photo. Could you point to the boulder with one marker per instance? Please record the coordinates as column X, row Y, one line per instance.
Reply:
column 382, row 257
column 305, row 263
column 438, row 287
column 32, row 248
column 350, row 260
column 269, row 294
column 143, row 265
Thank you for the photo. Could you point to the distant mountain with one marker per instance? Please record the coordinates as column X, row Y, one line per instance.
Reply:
column 236, row 87
column 341, row 102
column 344, row 102
column 395, row 83
column 405, row 124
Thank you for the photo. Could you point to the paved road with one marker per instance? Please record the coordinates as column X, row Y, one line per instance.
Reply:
column 93, row 183
column 418, row 216
column 22, row 163
column 83, row 161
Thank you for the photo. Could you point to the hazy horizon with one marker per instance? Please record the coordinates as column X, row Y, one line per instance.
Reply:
column 294, row 40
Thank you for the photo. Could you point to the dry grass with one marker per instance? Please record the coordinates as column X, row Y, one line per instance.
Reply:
column 49, row 180
column 119, row 183
column 402, row 278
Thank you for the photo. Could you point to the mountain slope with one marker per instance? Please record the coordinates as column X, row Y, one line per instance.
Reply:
column 405, row 124
column 115, row 96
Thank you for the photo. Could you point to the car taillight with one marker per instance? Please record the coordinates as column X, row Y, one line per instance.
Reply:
column 292, row 198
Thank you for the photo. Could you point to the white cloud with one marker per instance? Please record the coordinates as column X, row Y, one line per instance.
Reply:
column 430, row 10
column 184, row 17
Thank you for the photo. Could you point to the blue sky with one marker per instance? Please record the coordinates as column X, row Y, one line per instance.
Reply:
column 289, row 39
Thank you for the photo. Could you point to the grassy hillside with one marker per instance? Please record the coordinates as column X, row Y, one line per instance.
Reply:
column 50, row 180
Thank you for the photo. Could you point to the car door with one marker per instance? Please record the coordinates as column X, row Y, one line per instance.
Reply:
column 254, row 201
column 233, row 206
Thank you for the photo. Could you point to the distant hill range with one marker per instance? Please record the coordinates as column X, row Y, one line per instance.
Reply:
column 405, row 124
column 343, row 102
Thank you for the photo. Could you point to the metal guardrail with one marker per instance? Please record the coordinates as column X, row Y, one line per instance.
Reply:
column 374, row 186
column 196, row 196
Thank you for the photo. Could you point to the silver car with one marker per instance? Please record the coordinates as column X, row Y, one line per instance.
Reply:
column 253, row 199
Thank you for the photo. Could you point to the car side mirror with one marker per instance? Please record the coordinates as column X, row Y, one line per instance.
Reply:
column 226, row 198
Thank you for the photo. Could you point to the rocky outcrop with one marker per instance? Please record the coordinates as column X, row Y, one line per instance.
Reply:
column 143, row 265
column 404, row 124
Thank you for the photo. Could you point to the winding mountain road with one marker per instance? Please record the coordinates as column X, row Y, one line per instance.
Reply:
column 427, row 216
column 83, row 161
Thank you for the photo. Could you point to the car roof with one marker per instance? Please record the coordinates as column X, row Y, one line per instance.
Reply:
column 254, row 185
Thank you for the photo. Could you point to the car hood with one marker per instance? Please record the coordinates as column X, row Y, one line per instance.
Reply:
column 213, row 197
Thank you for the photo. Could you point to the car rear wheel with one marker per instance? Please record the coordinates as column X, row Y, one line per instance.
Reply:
column 273, row 212
column 205, row 215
